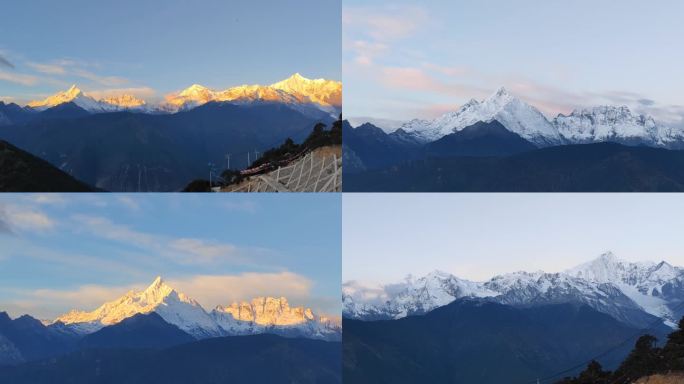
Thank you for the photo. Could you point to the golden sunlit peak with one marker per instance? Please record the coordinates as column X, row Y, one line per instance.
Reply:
column 73, row 89
column 158, row 281
column 124, row 100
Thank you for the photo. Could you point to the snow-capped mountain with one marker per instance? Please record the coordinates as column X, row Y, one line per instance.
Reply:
column 268, row 314
column 582, row 126
column 539, row 288
column 319, row 91
column 634, row 293
column 657, row 287
column 618, row 124
column 261, row 315
column 306, row 95
column 90, row 104
column 413, row 296
column 174, row 307
column 295, row 90
column 516, row 115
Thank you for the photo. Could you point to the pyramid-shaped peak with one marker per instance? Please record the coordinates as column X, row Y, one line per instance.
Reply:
column 73, row 90
column 158, row 284
column 298, row 76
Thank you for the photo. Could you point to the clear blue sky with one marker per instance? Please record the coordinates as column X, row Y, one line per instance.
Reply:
column 477, row 236
column 164, row 46
column 59, row 252
column 405, row 59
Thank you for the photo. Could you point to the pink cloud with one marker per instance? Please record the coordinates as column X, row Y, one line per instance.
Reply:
column 385, row 23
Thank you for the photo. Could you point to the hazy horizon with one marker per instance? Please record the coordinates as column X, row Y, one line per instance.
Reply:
column 477, row 236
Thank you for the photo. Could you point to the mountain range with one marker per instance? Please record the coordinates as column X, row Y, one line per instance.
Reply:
column 504, row 144
column 261, row 315
column 156, row 317
column 123, row 144
column 586, row 125
column 634, row 293
column 530, row 325
column 143, row 336
column 320, row 93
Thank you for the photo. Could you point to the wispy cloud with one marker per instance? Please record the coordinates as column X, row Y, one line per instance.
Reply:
column 203, row 251
column 385, row 23
column 129, row 202
column 18, row 78
column 107, row 81
column 5, row 62
column 179, row 250
column 47, row 198
column 49, row 69
column 22, row 218
column 246, row 206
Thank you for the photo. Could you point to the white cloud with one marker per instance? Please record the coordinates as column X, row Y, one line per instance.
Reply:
column 129, row 202
column 47, row 198
column 385, row 23
column 213, row 290
column 202, row 251
column 18, row 78
column 24, row 218
column 179, row 250
column 49, row 69
column 107, row 81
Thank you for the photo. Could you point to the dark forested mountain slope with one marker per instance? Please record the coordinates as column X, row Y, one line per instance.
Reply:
column 126, row 151
column 20, row 171
column 473, row 341
column 602, row 167
column 239, row 359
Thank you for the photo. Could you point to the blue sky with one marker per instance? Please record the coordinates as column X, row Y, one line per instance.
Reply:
column 59, row 252
column 406, row 59
column 152, row 48
column 477, row 236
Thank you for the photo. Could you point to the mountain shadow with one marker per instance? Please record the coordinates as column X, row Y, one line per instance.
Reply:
column 139, row 331
column 480, row 139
